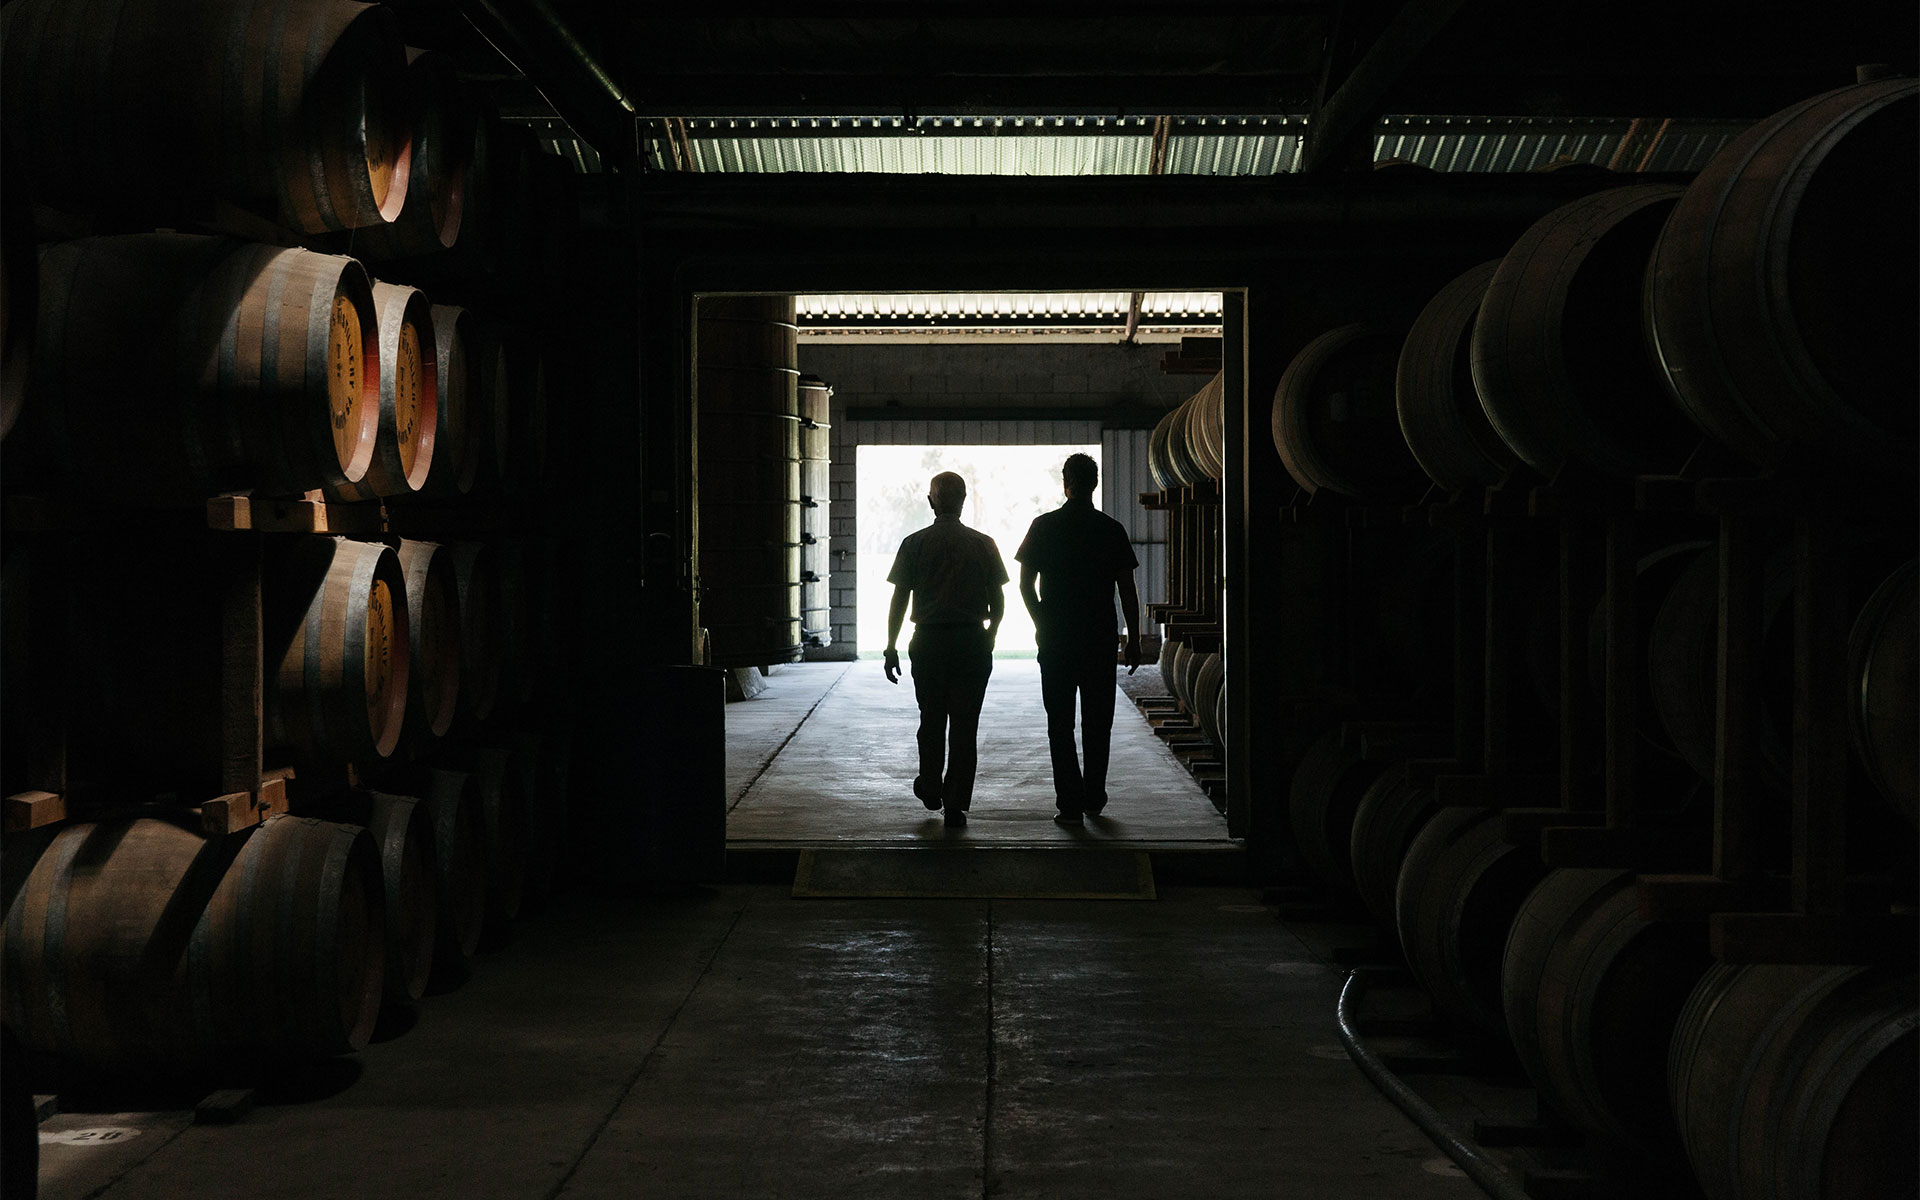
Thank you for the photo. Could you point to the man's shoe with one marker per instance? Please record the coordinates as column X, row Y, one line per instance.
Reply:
column 1067, row 818
column 929, row 796
column 956, row 818
column 1093, row 807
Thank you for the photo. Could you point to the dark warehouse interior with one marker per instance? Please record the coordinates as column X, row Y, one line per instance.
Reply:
column 445, row 740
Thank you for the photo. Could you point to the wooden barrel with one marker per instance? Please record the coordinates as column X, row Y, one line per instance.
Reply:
column 816, row 491
column 1322, row 799
column 136, row 946
column 1391, row 813
column 460, row 866
column 19, row 286
column 303, row 905
column 1194, row 445
column 457, row 408
column 264, row 372
column 434, row 649
column 482, row 633
column 1558, row 357
column 1683, row 666
column 402, row 830
column 1798, row 1082
column 337, row 639
column 1592, row 994
column 1206, row 430
column 1454, row 905
column 1883, row 663
column 74, row 976
column 1209, row 683
column 505, row 821
column 1183, row 668
column 443, row 143
column 1440, row 414
column 134, row 107
column 1335, row 420
column 1168, row 650
column 750, row 523
column 1654, row 576
column 403, row 448
column 1158, row 464
column 1781, row 301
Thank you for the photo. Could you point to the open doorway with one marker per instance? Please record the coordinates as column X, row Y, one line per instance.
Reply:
column 1007, row 487
column 1001, row 391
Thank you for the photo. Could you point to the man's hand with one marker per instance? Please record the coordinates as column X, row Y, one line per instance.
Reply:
column 1133, row 653
column 893, row 665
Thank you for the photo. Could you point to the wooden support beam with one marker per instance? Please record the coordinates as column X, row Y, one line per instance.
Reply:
column 1350, row 112
column 242, row 643
column 1822, row 620
column 1737, row 735
column 1237, row 535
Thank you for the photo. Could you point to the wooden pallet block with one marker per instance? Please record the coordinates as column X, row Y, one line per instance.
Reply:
column 243, row 810
column 31, row 810
column 241, row 511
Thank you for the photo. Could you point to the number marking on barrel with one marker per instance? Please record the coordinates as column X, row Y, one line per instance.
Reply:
column 343, row 375
column 379, row 670
column 406, row 395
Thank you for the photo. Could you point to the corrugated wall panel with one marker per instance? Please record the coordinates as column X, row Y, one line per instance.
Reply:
column 1123, row 476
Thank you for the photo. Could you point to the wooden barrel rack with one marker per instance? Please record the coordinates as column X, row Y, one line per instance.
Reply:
column 348, row 482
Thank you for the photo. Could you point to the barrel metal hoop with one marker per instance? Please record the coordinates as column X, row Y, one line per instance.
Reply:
column 65, row 849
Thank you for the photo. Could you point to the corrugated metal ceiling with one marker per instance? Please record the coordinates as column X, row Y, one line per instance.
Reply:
column 1224, row 145
column 1163, row 315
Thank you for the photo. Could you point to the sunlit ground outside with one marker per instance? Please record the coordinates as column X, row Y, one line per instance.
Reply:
column 1007, row 487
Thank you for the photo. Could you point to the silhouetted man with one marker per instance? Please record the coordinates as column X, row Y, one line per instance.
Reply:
column 955, row 579
column 1070, row 563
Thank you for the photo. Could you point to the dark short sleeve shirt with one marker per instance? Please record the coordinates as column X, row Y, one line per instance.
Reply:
column 1079, row 553
column 954, row 573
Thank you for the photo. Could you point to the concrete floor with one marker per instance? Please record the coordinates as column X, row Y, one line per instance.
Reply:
column 826, row 756
column 737, row 1042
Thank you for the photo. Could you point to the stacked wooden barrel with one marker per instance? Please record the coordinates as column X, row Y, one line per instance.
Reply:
column 1651, row 835
column 1186, row 458
column 751, row 540
column 290, row 595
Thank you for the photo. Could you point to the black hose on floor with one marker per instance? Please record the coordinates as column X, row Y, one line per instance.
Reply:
column 1490, row 1175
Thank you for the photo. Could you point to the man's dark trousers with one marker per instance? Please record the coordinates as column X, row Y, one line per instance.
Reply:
column 951, row 665
column 1086, row 670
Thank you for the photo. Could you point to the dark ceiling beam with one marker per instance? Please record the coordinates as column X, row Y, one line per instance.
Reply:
column 533, row 37
column 733, row 94
column 1341, row 129
column 854, row 201
column 850, row 233
column 1653, row 57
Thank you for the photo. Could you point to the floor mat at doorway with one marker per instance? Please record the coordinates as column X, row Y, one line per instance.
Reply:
column 1009, row 874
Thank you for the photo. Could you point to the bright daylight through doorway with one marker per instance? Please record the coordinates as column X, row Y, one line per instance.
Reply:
column 1007, row 487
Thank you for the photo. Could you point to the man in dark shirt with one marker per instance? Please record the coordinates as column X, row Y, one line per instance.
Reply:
column 1070, row 563
column 954, row 578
